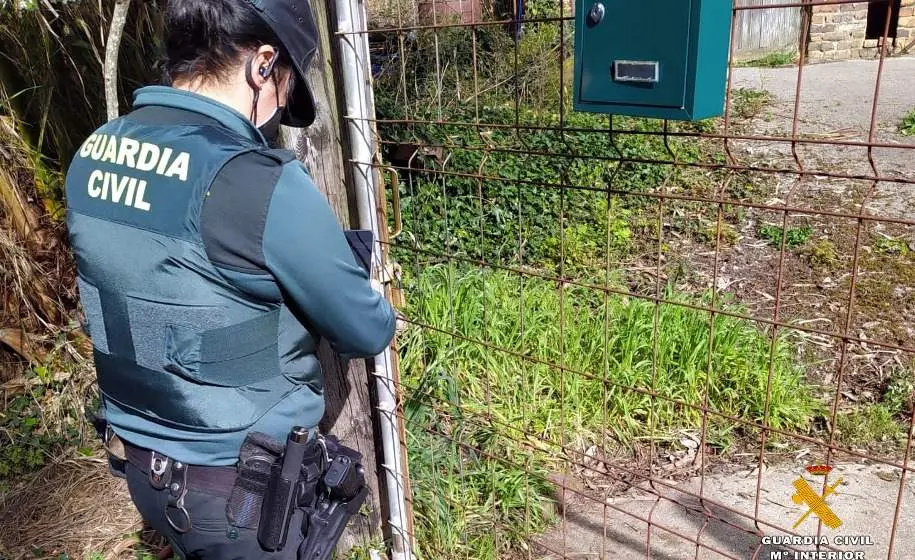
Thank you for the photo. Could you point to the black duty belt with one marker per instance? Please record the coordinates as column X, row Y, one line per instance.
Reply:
column 317, row 475
column 216, row 481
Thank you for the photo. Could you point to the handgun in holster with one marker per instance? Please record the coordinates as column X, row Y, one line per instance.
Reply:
column 282, row 496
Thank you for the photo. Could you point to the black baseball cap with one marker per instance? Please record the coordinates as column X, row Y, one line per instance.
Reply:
column 294, row 25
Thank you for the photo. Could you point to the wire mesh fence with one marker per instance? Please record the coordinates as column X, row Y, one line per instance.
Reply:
column 634, row 338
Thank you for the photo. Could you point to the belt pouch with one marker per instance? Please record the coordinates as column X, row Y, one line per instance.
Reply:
column 259, row 453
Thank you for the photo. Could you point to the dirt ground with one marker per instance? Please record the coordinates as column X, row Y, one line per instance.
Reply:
column 666, row 522
column 836, row 104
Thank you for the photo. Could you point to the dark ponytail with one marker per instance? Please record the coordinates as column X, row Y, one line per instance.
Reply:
column 206, row 39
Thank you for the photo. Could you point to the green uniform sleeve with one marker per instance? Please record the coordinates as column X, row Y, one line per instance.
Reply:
column 306, row 251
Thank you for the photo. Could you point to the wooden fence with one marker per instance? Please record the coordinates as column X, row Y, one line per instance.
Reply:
column 767, row 30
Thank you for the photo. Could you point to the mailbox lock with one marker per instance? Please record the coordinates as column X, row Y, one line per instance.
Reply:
column 596, row 14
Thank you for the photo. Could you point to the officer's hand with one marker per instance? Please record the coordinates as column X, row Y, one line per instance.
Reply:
column 401, row 324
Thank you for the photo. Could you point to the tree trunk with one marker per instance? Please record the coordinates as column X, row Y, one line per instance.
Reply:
column 349, row 412
column 112, row 48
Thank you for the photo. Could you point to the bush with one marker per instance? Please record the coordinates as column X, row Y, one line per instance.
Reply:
column 451, row 67
column 538, row 190
column 897, row 398
column 43, row 422
column 51, row 81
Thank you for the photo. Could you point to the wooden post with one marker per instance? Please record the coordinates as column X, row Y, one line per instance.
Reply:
column 349, row 414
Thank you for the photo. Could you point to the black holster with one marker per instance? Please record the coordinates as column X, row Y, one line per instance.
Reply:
column 258, row 454
column 341, row 491
column 330, row 488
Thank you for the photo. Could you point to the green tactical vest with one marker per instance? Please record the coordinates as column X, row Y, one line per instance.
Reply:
column 174, row 341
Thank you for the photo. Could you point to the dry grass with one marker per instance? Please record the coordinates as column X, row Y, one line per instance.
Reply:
column 36, row 290
column 35, row 286
column 73, row 507
column 51, row 98
column 36, row 279
column 58, row 509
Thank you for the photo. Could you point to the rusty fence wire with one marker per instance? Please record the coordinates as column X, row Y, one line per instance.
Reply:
column 633, row 338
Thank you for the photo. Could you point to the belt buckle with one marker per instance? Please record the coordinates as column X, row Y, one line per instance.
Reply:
column 158, row 470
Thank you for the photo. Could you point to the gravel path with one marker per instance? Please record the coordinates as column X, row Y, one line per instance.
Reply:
column 840, row 95
column 836, row 102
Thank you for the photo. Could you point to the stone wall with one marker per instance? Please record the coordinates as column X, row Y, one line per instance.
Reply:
column 837, row 32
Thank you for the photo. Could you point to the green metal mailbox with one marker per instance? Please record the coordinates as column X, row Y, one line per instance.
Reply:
column 664, row 59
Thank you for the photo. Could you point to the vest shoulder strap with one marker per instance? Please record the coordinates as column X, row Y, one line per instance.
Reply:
column 281, row 156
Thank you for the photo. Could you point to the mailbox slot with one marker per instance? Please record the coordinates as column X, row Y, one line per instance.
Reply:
column 639, row 71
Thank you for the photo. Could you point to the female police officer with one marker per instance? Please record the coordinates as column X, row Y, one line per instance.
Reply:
column 209, row 264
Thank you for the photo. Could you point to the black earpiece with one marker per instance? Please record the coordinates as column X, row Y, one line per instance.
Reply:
column 265, row 71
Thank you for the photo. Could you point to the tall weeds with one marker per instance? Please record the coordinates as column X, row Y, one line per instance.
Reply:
column 531, row 368
column 51, row 58
column 51, row 98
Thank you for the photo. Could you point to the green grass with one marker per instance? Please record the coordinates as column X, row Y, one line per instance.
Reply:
column 795, row 237
column 871, row 425
column 898, row 395
column 459, row 385
column 748, row 103
column 907, row 128
column 771, row 60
